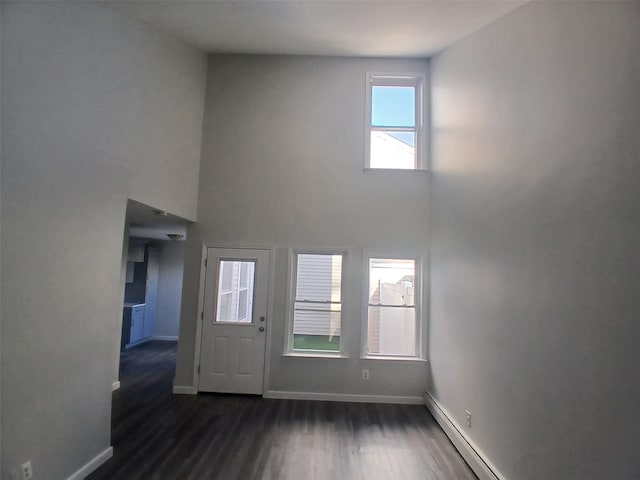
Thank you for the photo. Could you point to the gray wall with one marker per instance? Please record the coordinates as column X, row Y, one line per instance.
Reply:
column 96, row 108
column 282, row 164
column 535, row 234
column 169, row 289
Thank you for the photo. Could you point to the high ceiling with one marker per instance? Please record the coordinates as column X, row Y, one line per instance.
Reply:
column 391, row 28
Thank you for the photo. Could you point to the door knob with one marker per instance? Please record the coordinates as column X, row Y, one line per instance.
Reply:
column 261, row 329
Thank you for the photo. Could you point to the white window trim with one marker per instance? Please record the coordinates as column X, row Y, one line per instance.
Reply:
column 417, row 80
column 291, row 294
column 419, row 307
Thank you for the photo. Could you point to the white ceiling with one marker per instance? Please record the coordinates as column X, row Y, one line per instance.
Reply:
column 391, row 28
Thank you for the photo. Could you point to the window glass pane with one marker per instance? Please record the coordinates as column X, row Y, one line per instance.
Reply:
column 392, row 150
column 317, row 311
column 226, row 275
column 242, row 304
column 224, row 312
column 393, row 106
column 313, row 320
column 408, row 138
column 392, row 331
column 244, row 274
column 316, row 326
column 391, row 281
column 235, row 291
column 316, row 343
column 319, row 277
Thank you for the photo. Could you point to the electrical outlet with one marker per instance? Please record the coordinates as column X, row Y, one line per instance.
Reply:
column 365, row 374
column 27, row 473
column 468, row 418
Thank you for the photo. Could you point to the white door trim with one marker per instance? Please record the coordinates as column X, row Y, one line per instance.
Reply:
column 198, row 338
column 199, row 318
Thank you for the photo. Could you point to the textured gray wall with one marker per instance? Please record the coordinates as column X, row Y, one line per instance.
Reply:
column 282, row 164
column 535, row 234
column 170, row 289
column 96, row 108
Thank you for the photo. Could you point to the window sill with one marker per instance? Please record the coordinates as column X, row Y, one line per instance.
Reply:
column 314, row 355
column 394, row 359
column 394, row 171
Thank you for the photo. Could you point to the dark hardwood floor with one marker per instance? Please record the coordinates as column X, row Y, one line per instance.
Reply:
column 158, row 435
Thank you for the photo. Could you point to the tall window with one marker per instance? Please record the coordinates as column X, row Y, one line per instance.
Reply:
column 317, row 303
column 392, row 308
column 395, row 124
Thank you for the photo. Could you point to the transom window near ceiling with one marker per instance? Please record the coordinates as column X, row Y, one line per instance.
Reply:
column 395, row 138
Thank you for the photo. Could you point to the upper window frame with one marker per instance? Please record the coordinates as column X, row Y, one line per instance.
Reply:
column 416, row 80
column 289, row 351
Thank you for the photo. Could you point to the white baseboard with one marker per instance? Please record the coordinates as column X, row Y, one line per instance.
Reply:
column 90, row 466
column 167, row 338
column 343, row 397
column 115, row 385
column 476, row 459
column 185, row 390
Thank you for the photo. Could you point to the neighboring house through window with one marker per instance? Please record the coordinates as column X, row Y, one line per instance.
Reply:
column 235, row 295
column 316, row 303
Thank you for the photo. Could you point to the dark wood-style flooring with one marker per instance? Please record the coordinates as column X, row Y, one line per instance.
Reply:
column 158, row 435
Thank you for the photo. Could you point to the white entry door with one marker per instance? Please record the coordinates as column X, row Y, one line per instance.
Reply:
column 234, row 321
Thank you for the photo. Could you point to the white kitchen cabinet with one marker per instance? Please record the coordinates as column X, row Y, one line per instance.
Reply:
column 151, row 292
column 133, row 323
column 141, row 300
column 137, row 323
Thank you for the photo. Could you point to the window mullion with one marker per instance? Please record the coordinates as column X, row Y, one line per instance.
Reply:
column 316, row 301
column 384, row 305
column 382, row 128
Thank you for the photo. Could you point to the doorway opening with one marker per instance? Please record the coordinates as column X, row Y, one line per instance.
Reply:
column 151, row 281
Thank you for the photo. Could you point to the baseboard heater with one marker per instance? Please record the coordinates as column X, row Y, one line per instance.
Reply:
column 474, row 457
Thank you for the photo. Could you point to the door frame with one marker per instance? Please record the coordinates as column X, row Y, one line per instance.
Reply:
column 200, row 317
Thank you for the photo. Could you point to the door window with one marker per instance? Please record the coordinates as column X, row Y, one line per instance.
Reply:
column 235, row 291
